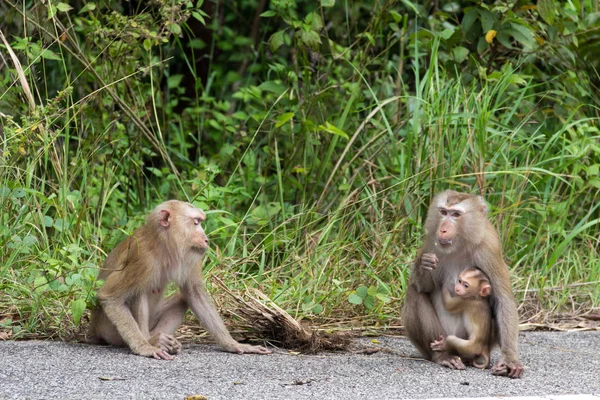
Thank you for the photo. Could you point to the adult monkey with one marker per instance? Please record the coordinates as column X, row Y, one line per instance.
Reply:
column 169, row 247
column 458, row 234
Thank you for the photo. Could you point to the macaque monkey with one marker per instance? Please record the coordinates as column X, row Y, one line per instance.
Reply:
column 169, row 247
column 458, row 233
column 470, row 300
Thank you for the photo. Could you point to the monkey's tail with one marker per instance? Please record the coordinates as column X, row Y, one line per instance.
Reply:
column 482, row 361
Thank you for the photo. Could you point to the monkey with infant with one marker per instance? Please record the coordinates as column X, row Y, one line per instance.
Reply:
column 169, row 247
column 458, row 233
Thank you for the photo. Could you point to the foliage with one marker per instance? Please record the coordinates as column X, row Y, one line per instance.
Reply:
column 313, row 133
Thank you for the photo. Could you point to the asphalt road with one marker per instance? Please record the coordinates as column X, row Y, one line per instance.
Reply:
column 556, row 364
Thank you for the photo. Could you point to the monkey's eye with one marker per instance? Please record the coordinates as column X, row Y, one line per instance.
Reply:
column 455, row 214
column 443, row 212
column 466, row 285
column 196, row 221
column 459, row 280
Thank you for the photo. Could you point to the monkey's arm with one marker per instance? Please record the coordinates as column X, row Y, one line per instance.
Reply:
column 452, row 304
column 505, row 313
column 120, row 315
column 115, row 306
column 202, row 306
column 141, row 314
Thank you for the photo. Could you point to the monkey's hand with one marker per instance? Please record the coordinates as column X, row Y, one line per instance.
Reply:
column 241, row 348
column 429, row 261
column 448, row 360
column 513, row 369
column 151, row 351
column 439, row 345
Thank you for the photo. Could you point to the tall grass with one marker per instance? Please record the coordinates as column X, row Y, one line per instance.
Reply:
column 320, row 203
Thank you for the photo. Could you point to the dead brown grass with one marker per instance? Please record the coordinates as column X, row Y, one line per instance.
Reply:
column 259, row 315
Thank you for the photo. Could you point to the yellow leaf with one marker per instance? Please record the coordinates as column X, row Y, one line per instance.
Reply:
column 490, row 35
column 22, row 150
column 540, row 40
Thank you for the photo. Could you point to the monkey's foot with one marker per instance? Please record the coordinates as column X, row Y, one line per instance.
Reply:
column 166, row 342
column 512, row 369
column 241, row 348
column 439, row 345
column 449, row 361
column 154, row 352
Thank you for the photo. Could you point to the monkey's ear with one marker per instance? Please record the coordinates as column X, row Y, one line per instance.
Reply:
column 164, row 217
column 483, row 204
column 485, row 290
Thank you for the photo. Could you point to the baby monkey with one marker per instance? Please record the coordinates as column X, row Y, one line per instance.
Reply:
column 471, row 291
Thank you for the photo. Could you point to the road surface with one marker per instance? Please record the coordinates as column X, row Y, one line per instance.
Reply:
column 556, row 364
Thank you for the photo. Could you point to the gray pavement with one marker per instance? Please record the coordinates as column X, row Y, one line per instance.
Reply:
column 556, row 364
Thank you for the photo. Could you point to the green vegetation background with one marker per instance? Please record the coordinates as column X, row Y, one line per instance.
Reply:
column 313, row 133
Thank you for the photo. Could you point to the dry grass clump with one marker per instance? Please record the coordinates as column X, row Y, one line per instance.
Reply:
column 264, row 319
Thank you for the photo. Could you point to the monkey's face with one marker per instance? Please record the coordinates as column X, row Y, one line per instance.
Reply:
column 197, row 237
column 183, row 223
column 454, row 217
column 462, row 287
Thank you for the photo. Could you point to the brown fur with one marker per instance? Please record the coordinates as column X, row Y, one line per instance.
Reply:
column 470, row 301
column 451, row 242
column 169, row 247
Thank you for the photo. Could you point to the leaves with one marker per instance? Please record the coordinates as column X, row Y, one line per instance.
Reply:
column 77, row 308
column 174, row 81
column 199, row 15
column 546, row 8
column 369, row 297
column 283, row 118
column 276, row 41
column 469, row 18
column 522, row 34
column 64, row 7
column 487, row 20
column 273, row 87
column 50, row 55
column 353, row 298
column 268, row 14
column 310, row 38
column 175, row 28
column 330, row 128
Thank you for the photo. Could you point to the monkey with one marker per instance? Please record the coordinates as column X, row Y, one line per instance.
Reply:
column 458, row 233
column 470, row 299
column 133, row 311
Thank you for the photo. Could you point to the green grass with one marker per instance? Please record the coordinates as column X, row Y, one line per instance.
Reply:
column 324, row 219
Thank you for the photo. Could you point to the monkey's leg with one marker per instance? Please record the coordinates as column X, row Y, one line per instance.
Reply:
column 103, row 331
column 507, row 331
column 168, row 316
column 423, row 327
